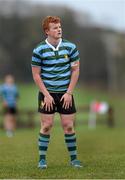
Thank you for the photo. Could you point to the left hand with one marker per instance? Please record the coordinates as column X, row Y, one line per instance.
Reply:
column 67, row 100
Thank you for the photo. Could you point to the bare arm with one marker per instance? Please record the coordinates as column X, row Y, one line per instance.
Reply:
column 67, row 97
column 38, row 81
column 74, row 77
column 48, row 100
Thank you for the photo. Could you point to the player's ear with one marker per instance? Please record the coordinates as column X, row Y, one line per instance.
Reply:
column 46, row 31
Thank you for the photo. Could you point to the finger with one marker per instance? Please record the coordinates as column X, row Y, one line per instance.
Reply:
column 61, row 98
column 71, row 101
column 64, row 104
column 45, row 107
column 51, row 106
column 71, row 104
column 53, row 101
column 67, row 105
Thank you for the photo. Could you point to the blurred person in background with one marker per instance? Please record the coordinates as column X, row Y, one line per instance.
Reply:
column 55, row 69
column 9, row 94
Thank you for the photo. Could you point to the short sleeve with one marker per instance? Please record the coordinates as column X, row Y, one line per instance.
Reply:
column 36, row 58
column 74, row 55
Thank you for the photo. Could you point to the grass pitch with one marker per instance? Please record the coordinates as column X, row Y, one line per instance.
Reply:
column 102, row 151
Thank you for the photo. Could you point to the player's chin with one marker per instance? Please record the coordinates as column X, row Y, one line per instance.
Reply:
column 59, row 35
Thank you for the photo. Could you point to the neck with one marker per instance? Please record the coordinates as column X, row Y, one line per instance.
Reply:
column 53, row 41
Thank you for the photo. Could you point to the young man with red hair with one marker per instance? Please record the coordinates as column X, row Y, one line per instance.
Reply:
column 55, row 69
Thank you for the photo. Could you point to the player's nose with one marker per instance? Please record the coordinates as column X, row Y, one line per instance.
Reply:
column 59, row 30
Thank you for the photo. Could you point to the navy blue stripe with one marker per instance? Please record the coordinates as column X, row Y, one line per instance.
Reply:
column 70, row 140
column 43, row 148
column 72, row 148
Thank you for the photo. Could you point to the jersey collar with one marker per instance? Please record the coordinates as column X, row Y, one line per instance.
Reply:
column 54, row 49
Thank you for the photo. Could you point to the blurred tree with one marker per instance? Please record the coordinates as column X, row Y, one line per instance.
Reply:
column 102, row 51
column 93, row 56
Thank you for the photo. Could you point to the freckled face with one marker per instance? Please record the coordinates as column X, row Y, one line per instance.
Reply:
column 55, row 31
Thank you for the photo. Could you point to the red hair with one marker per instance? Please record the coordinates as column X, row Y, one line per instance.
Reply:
column 49, row 19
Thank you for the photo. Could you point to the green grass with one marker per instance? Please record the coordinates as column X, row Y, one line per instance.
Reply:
column 28, row 96
column 102, row 151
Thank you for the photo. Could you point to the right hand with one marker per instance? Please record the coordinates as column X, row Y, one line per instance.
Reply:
column 48, row 102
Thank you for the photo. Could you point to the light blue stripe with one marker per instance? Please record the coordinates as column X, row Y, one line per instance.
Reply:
column 42, row 46
column 74, row 55
column 43, row 144
column 71, row 144
column 71, row 45
column 43, row 138
column 55, row 83
column 56, row 68
column 65, row 74
column 42, row 152
column 35, row 59
column 72, row 137
column 63, row 52
column 73, row 153
column 47, row 54
column 55, row 61
column 48, row 75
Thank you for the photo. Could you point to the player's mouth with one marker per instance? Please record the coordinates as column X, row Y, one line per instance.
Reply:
column 59, row 33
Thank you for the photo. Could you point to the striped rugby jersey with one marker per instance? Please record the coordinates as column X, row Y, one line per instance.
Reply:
column 9, row 94
column 55, row 63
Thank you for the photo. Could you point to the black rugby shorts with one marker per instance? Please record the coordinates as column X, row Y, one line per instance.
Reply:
column 57, row 107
